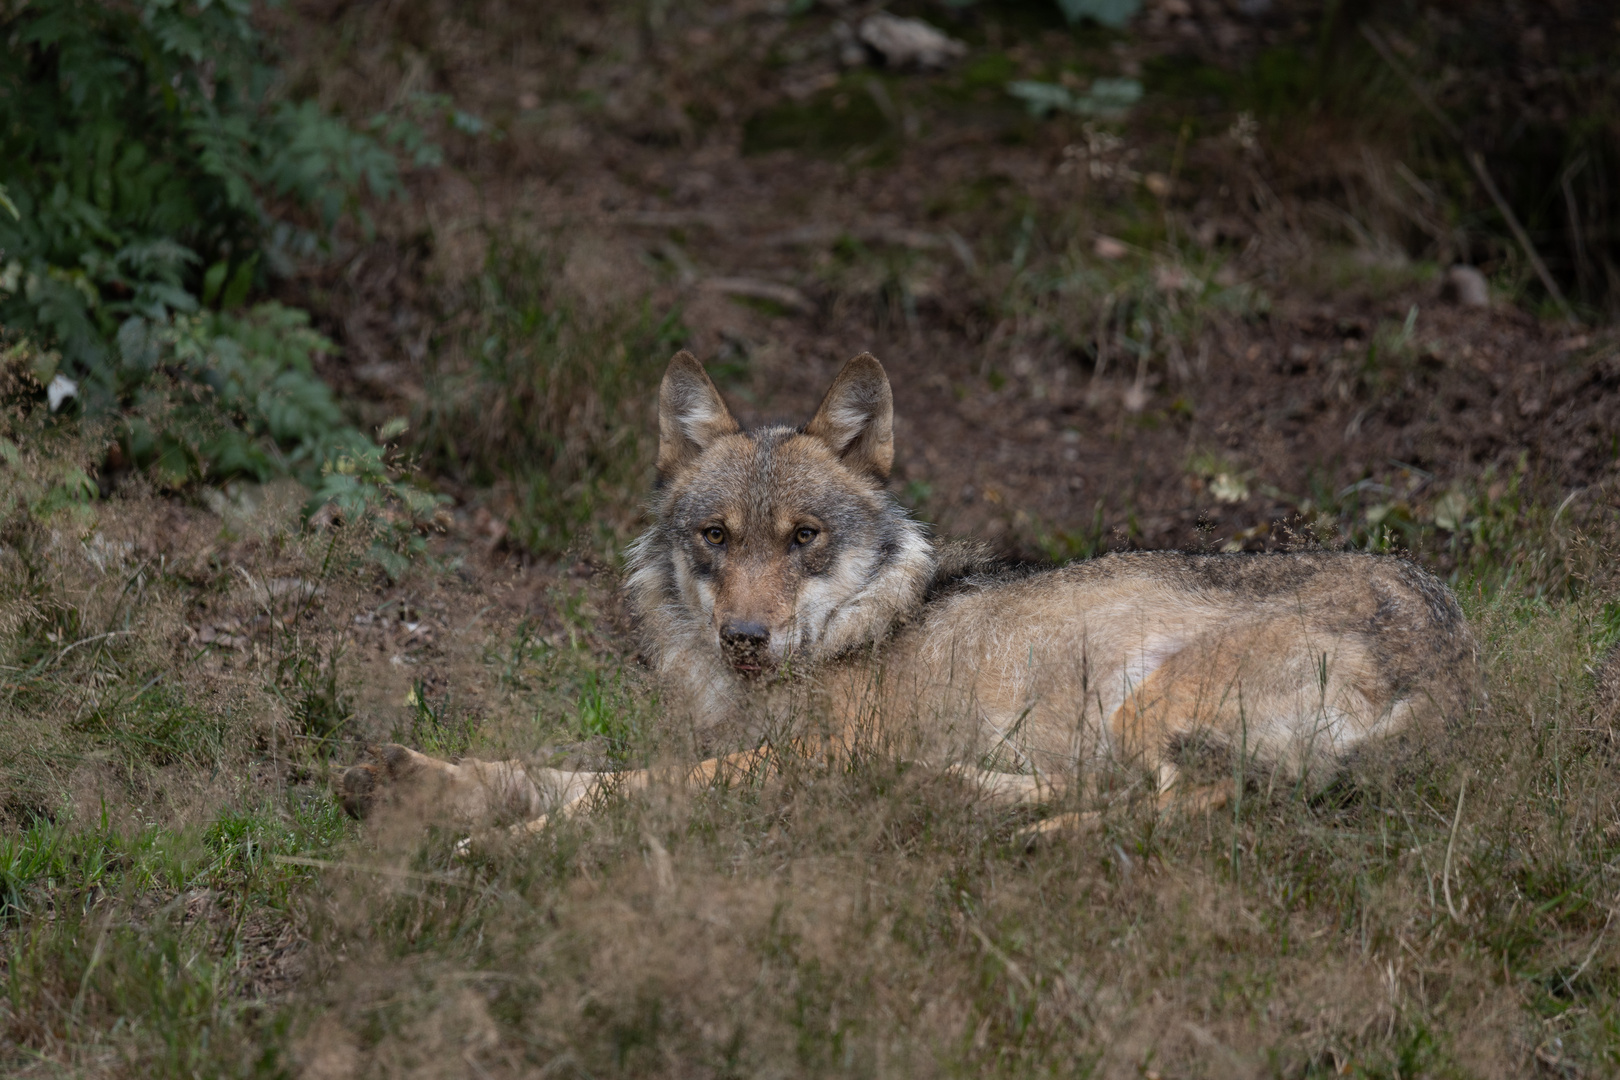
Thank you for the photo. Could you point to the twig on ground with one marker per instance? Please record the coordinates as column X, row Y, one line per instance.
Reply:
column 101, row 944
column 898, row 236
column 755, row 289
column 1008, row 962
column 384, row 871
column 87, row 641
column 1445, row 875
column 1569, row 980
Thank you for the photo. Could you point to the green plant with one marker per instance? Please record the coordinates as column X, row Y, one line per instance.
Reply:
column 157, row 724
column 1107, row 97
column 365, row 483
column 1140, row 320
column 605, row 708
column 432, row 727
column 240, row 398
column 1111, row 13
column 151, row 182
column 1064, row 545
column 101, row 927
column 319, row 707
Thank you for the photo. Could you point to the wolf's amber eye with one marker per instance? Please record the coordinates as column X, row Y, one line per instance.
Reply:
column 715, row 535
column 804, row 535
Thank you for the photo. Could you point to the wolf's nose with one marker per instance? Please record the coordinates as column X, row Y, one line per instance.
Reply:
column 745, row 633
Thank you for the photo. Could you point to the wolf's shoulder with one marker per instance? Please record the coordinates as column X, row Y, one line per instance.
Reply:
column 962, row 565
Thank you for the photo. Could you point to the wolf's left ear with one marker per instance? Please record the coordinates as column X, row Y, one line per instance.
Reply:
column 856, row 417
column 690, row 413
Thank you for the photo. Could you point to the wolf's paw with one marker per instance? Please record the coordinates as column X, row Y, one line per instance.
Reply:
column 358, row 786
column 468, row 846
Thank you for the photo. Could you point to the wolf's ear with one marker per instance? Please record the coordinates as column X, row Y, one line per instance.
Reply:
column 690, row 413
column 856, row 417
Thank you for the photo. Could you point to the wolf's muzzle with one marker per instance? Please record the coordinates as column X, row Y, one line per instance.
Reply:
column 747, row 646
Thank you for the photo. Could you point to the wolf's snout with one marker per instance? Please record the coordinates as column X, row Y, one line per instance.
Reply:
column 747, row 646
column 746, row 633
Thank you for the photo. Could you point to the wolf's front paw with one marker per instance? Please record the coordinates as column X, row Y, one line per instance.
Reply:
column 358, row 786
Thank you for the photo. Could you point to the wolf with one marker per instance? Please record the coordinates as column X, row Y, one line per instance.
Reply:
column 784, row 597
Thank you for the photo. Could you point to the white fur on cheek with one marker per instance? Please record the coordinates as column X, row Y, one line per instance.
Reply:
column 817, row 601
column 698, row 593
column 821, row 596
column 858, row 599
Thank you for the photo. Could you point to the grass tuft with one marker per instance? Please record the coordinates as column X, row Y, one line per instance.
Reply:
column 545, row 397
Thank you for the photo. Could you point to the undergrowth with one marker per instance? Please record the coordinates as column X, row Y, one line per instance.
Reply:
column 173, row 863
column 152, row 181
column 545, row 398
column 143, row 914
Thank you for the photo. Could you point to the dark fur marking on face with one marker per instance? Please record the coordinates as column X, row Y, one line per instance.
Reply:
column 819, row 559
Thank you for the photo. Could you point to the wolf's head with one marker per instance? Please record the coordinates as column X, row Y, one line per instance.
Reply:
column 777, row 543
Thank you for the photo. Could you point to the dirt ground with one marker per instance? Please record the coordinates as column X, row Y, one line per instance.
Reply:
column 1006, row 428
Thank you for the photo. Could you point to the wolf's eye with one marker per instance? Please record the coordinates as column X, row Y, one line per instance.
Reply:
column 804, row 535
column 715, row 535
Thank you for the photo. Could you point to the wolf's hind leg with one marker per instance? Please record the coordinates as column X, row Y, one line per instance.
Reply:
column 1175, row 795
column 1178, row 795
column 1033, row 836
column 1011, row 789
column 1027, row 789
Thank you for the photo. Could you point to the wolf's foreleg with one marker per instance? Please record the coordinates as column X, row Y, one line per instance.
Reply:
column 470, row 788
column 574, row 787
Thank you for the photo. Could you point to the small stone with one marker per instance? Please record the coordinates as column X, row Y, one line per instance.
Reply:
column 60, row 389
column 1107, row 247
column 909, row 42
column 1171, row 279
column 1466, row 286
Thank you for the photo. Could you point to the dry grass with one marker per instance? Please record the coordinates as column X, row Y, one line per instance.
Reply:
column 875, row 919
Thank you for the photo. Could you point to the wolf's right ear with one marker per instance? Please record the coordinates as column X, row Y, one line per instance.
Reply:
column 691, row 415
